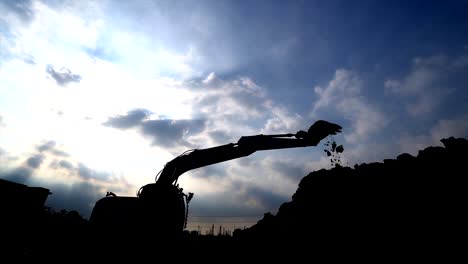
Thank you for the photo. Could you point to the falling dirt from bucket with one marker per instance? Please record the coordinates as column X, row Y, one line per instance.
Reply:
column 333, row 151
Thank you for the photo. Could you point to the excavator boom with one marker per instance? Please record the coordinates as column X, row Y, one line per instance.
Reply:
column 244, row 147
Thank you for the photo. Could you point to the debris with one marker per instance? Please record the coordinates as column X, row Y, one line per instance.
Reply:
column 334, row 151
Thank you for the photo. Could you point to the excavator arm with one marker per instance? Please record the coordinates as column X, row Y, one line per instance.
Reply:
column 244, row 147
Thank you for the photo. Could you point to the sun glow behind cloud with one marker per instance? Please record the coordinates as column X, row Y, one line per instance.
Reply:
column 37, row 108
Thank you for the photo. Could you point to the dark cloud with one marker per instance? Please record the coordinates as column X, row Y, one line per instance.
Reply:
column 82, row 196
column 79, row 196
column 86, row 173
column 49, row 146
column 267, row 199
column 22, row 8
column 62, row 164
column 2, row 152
column 230, row 100
column 170, row 133
column 220, row 137
column 243, row 204
column 215, row 171
column 84, row 187
column 66, row 165
column 64, row 77
column 35, row 161
column 46, row 146
column 163, row 132
column 132, row 119
column 61, row 153
column 291, row 171
column 19, row 175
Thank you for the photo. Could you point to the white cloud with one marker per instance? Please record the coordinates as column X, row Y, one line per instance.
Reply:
column 237, row 107
column 345, row 83
column 365, row 117
column 62, row 35
column 210, row 78
column 282, row 120
column 427, row 84
column 344, row 94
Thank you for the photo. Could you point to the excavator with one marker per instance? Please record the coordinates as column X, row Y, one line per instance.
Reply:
column 163, row 205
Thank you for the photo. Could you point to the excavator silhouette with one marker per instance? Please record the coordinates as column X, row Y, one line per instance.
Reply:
column 163, row 206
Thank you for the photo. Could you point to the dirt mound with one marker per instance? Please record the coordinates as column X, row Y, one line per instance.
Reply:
column 412, row 200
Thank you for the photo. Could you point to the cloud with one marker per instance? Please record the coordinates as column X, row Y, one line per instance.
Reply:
column 257, row 183
column 166, row 133
column 81, row 171
column 35, row 161
column 457, row 127
column 280, row 120
column 428, row 83
column 211, row 78
column 50, row 146
column 239, row 99
column 365, row 117
column 79, row 196
column 219, row 136
column 444, row 128
column 170, row 133
column 66, row 165
column 82, row 195
column 344, row 95
column 85, row 186
column 132, row 119
column 64, row 77
column 267, row 200
column 221, row 112
column 74, row 185
column 21, row 8
column 237, row 107
column 86, row 173
column 289, row 169
column 241, row 200
column 345, row 83
column 19, row 174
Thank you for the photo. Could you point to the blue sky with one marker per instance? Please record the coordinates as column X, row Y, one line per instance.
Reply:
column 97, row 96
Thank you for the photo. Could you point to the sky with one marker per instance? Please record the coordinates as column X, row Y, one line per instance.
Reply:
column 97, row 96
